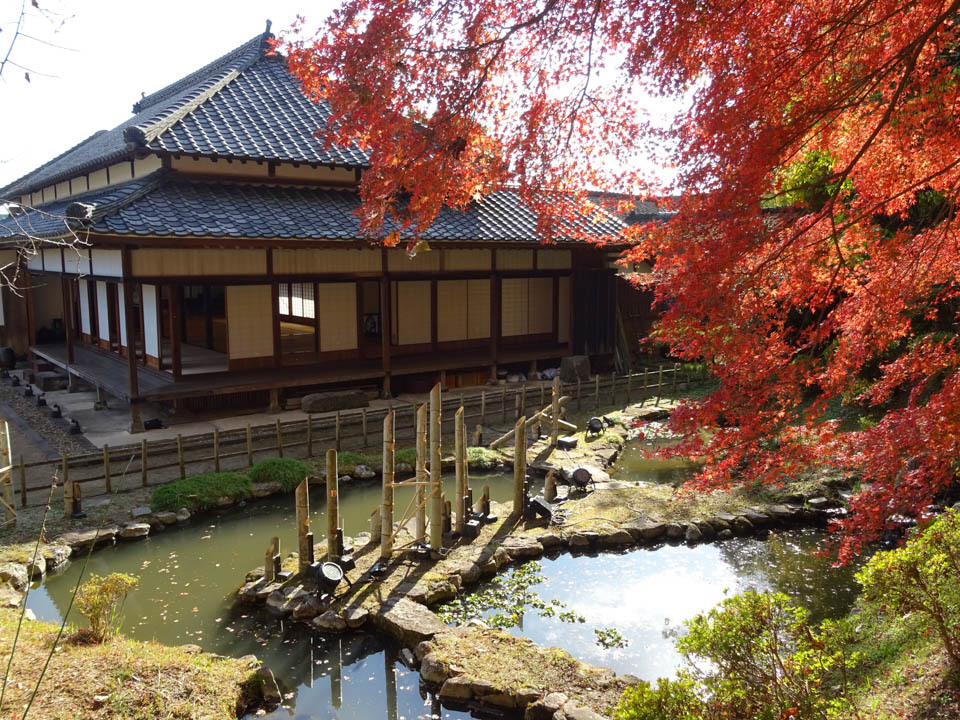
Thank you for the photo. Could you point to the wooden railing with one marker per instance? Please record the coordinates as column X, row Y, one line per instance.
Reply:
column 160, row 461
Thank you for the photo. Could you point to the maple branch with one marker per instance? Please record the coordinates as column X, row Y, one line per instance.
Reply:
column 16, row 34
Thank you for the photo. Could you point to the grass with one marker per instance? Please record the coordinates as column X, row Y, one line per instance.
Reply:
column 482, row 458
column 288, row 473
column 201, row 491
column 119, row 678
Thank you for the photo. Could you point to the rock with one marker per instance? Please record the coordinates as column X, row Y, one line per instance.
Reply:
column 269, row 689
column 56, row 555
column 183, row 515
column 266, row 590
column 344, row 479
column 644, row 530
column 596, row 474
column 821, row 503
column 166, row 517
column 707, row 532
column 617, row 537
column 141, row 512
column 550, row 540
column 330, row 622
column 693, row 534
column 191, row 649
column 308, row 608
column 456, row 688
column 501, row 700
column 408, row 621
column 630, row 680
column 355, row 617
column 718, row 523
column 583, row 539
column 545, row 707
column 757, row 519
column 432, row 670
column 792, row 499
column 575, row 711
column 439, row 591
column 15, row 574
column 9, row 598
column 526, row 695
column 522, row 546
column 83, row 539
column 330, row 401
column 222, row 501
column 483, row 688
column 725, row 534
column 36, row 568
column 675, row 531
column 254, row 574
column 408, row 659
column 575, row 367
column 249, row 592
column 469, row 573
column 135, row 530
column 422, row 649
column 403, row 468
column 364, row 472
column 741, row 526
column 262, row 490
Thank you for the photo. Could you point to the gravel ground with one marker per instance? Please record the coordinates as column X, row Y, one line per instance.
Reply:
column 39, row 419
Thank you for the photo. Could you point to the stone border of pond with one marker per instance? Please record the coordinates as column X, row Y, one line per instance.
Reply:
column 397, row 602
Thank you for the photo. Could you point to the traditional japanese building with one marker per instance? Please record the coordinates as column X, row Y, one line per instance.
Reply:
column 206, row 251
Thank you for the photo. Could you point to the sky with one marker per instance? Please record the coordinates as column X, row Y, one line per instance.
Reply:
column 114, row 52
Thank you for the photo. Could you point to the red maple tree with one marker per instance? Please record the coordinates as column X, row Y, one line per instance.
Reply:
column 814, row 252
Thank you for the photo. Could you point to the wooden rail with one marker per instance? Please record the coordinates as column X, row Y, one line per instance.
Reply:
column 238, row 449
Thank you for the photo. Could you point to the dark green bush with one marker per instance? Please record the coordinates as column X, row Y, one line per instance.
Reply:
column 286, row 472
column 201, row 491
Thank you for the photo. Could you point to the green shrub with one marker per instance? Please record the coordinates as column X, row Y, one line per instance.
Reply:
column 286, row 472
column 406, row 455
column 101, row 600
column 922, row 577
column 481, row 458
column 753, row 656
column 201, row 491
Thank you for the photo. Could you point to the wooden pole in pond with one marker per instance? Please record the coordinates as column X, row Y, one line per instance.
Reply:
column 436, row 483
column 460, row 452
column 555, row 411
column 304, row 536
column 386, row 508
column 519, row 466
column 216, row 449
column 106, row 469
column 421, row 473
column 183, row 470
column 333, row 507
column 249, row 446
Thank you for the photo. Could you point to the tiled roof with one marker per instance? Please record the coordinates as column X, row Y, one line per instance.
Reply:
column 169, row 205
column 244, row 105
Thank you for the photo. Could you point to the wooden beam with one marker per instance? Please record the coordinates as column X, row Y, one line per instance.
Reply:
column 128, row 324
column 173, row 315
column 66, row 285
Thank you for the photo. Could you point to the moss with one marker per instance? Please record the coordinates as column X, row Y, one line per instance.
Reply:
column 103, row 681
column 481, row 458
column 286, row 472
column 201, row 491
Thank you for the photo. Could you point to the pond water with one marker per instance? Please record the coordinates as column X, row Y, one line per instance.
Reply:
column 188, row 575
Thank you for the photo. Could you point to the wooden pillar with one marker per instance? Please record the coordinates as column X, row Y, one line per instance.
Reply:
column 555, row 412
column 494, row 321
column 180, row 462
column 386, row 326
column 421, row 473
column 173, row 312
column 66, row 286
column 333, row 506
column 519, row 466
column 31, row 312
column 304, row 536
column 143, row 463
column 386, row 507
column 436, row 486
column 460, row 452
column 106, row 469
column 249, row 446
column 216, row 449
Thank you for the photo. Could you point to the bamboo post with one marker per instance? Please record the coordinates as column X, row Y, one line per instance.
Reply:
column 309, row 435
column 304, row 536
column 216, row 449
column 270, row 560
column 659, row 382
column 106, row 469
column 519, row 466
column 363, row 422
column 460, row 452
column 23, row 483
column 517, row 404
column 183, row 469
column 436, row 505
column 279, row 439
column 143, row 463
column 596, row 392
column 555, row 411
column 485, row 501
column 336, row 431
column 483, row 407
column 386, row 508
column 249, row 446
column 333, row 507
column 421, row 475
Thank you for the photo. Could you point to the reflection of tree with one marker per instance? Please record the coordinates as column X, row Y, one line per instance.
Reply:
column 787, row 562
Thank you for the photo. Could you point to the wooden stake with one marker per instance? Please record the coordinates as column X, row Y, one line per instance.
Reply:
column 216, row 449
column 106, row 469
column 183, row 470
column 309, row 435
column 304, row 536
column 550, row 487
column 336, row 431
column 460, row 452
column 386, row 508
column 421, row 474
column 333, row 506
column 143, row 463
column 23, row 483
column 519, row 466
column 269, row 565
column 279, row 439
column 249, row 446
column 517, row 404
column 436, row 505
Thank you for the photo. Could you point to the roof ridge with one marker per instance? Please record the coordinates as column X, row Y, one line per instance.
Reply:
column 256, row 46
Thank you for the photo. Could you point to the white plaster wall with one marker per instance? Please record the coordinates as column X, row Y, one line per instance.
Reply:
column 108, row 262
column 103, row 311
column 51, row 260
column 148, row 298
column 35, row 261
column 84, row 307
column 76, row 260
column 122, row 315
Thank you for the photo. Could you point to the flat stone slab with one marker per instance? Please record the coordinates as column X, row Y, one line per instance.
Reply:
column 409, row 622
column 522, row 547
column 82, row 539
column 135, row 530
